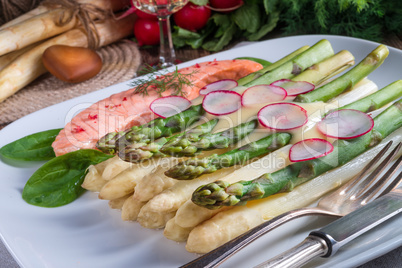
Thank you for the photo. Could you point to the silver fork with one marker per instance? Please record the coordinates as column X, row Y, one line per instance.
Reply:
column 351, row 196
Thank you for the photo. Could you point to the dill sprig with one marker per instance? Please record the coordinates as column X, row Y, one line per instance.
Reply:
column 160, row 80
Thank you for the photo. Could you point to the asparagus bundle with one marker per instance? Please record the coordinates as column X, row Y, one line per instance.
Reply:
column 220, row 193
column 193, row 168
column 133, row 153
column 172, row 198
column 299, row 60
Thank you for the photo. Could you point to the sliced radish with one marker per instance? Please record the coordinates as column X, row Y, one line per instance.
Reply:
column 224, row 84
column 309, row 149
column 170, row 105
column 294, row 88
column 282, row 116
column 221, row 102
column 262, row 94
column 345, row 124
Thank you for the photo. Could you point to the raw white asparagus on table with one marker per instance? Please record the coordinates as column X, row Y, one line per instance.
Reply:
column 28, row 66
column 42, row 23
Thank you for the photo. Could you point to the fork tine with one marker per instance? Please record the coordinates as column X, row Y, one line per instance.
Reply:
column 368, row 182
column 367, row 196
column 352, row 183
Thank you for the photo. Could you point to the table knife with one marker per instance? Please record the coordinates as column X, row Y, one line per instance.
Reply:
column 326, row 241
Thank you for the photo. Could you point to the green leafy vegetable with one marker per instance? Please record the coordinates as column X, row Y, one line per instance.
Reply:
column 264, row 63
column 35, row 147
column 58, row 182
column 367, row 19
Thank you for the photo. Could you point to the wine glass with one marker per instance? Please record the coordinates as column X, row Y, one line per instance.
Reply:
column 163, row 9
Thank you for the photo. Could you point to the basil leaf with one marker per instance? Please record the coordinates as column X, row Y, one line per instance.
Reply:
column 58, row 182
column 35, row 147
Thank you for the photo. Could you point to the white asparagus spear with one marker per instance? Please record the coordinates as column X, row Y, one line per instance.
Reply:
column 114, row 167
column 32, row 13
column 45, row 25
column 153, row 220
column 171, row 199
column 225, row 225
column 131, row 208
column 175, row 232
column 154, row 183
column 28, row 66
column 118, row 202
column 190, row 215
column 93, row 180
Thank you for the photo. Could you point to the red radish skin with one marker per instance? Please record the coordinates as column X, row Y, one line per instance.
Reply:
column 169, row 105
column 294, row 88
column 225, row 6
column 346, row 124
column 192, row 17
column 262, row 94
column 221, row 102
column 146, row 32
column 224, row 84
column 310, row 149
column 282, row 116
column 144, row 15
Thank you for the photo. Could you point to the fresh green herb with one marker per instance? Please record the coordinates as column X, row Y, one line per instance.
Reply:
column 161, row 80
column 35, row 147
column 264, row 63
column 58, row 182
column 367, row 19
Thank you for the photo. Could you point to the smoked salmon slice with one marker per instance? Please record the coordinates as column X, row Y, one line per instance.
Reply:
column 126, row 109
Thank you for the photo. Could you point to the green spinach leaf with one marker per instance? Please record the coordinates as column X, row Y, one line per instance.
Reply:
column 58, row 182
column 35, row 147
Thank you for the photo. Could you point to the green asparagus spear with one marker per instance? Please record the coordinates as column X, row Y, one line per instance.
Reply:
column 189, row 145
column 220, row 193
column 196, row 167
column 112, row 142
column 347, row 80
column 316, row 53
column 378, row 99
column 159, row 127
column 141, row 151
column 248, row 78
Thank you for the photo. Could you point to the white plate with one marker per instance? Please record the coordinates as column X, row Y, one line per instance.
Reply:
column 86, row 233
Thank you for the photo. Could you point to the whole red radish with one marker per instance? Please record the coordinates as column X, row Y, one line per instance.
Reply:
column 192, row 17
column 146, row 32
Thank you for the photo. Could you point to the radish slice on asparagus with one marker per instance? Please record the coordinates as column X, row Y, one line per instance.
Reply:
column 309, row 149
column 170, row 105
column 345, row 124
column 294, row 88
column 224, row 84
column 282, row 116
column 221, row 102
column 263, row 94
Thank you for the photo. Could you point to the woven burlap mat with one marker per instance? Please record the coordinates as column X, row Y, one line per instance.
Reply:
column 120, row 63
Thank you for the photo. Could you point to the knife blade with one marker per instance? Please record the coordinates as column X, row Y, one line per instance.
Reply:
column 326, row 241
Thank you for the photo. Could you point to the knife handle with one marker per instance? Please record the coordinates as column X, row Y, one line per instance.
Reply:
column 299, row 255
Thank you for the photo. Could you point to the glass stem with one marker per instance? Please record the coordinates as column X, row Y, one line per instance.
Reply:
column 167, row 54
